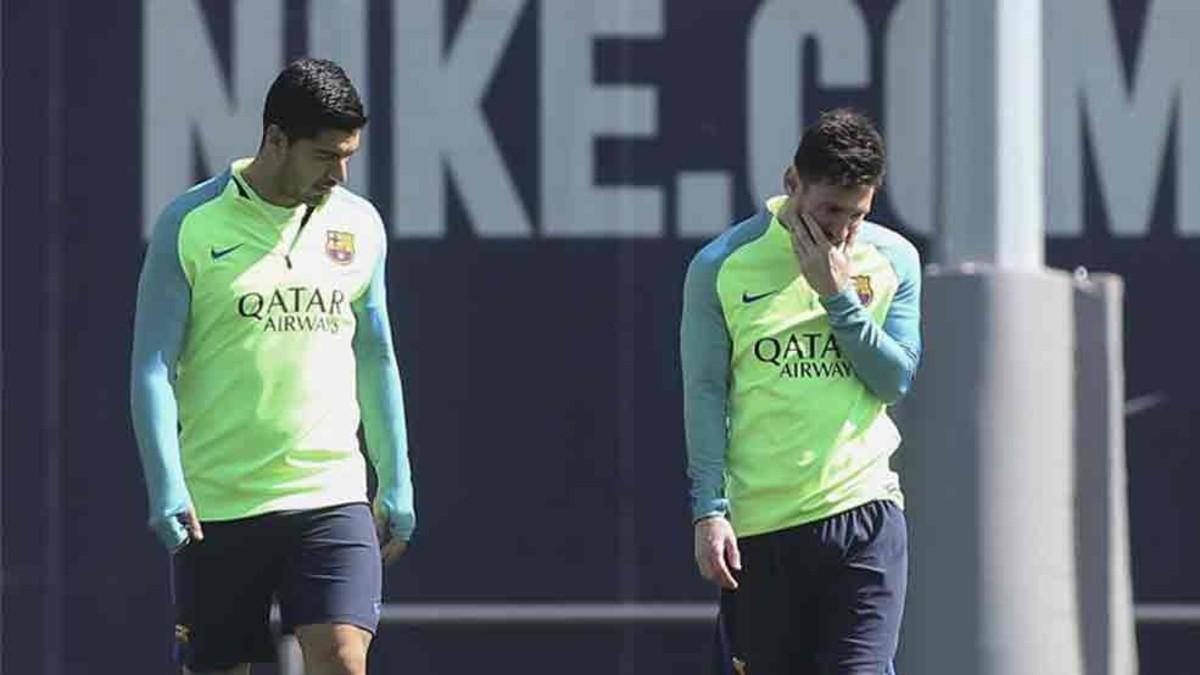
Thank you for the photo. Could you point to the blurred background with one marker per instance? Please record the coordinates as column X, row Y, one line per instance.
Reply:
column 546, row 168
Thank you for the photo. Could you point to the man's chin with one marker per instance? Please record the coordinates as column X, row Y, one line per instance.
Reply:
column 317, row 198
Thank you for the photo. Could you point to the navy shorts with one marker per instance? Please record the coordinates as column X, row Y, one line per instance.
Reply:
column 322, row 566
column 824, row 597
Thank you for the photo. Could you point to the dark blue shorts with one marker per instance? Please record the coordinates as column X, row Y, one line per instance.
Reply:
column 322, row 566
column 824, row 597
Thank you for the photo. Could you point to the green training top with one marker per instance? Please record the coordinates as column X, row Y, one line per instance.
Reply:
column 273, row 322
column 785, row 392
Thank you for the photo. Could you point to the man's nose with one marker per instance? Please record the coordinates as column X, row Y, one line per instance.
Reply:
column 340, row 171
column 838, row 227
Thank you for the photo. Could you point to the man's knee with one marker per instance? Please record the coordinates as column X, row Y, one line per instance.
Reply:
column 344, row 659
column 334, row 649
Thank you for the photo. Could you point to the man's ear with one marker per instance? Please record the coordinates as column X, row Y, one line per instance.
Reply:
column 791, row 181
column 275, row 138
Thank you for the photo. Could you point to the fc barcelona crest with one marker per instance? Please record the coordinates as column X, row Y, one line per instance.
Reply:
column 339, row 246
column 862, row 286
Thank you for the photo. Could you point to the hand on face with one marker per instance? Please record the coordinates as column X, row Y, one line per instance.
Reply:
column 824, row 265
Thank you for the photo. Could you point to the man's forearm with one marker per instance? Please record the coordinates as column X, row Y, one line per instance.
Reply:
column 155, row 423
column 883, row 362
column 381, row 402
column 704, row 425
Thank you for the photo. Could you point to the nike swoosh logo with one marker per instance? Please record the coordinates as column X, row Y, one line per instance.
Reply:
column 217, row 255
column 747, row 298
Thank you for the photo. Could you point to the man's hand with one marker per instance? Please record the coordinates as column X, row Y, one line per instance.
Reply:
column 824, row 266
column 716, row 550
column 391, row 547
column 179, row 530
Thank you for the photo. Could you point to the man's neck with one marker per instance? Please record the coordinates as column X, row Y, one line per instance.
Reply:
column 264, row 184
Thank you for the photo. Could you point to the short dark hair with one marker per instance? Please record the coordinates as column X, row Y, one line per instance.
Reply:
column 312, row 95
column 841, row 148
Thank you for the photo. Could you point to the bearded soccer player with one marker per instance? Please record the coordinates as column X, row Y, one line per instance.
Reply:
column 261, row 338
column 800, row 327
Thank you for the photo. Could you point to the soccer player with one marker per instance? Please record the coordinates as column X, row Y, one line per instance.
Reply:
column 261, row 336
column 800, row 326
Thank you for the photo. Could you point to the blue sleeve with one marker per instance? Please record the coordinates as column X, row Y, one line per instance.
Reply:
column 704, row 352
column 163, row 300
column 381, row 402
column 884, row 357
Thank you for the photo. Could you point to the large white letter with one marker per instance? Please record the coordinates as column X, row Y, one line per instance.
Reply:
column 777, row 35
column 1128, row 126
column 185, row 98
column 575, row 111
column 337, row 30
column 438, row 120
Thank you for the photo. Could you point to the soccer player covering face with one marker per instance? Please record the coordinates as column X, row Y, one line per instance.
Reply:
column 800, row 327
column 261, row 340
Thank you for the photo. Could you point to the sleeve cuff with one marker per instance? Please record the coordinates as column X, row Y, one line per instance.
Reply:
column 841, row 304
column 708, row 508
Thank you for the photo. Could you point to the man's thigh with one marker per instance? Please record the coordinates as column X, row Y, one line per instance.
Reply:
column 333, row 573
column 865, row 600
column 223, row 586
column 775, row 625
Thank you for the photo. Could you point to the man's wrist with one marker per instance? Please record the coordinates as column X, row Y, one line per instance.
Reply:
column 830, row 288
column 843, row 299
column 709, row 506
